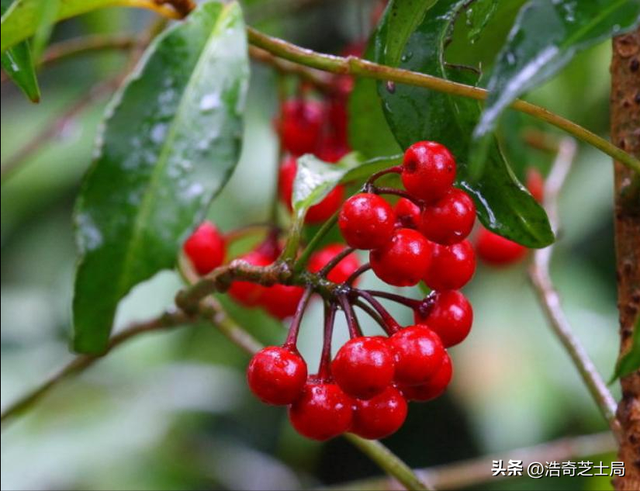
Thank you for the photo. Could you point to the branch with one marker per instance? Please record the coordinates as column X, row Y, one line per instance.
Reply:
column 625, row 132
column 80, row 363
column 459, row 475
column 316, row 78
column 550, row 300
column 359, row 67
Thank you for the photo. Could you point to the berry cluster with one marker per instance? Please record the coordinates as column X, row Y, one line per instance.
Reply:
column 364, row 389
column 424, row 237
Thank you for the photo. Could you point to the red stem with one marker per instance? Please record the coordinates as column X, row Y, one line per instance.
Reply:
column 335, row 261
column 409, row 302
column 361, row 270
column 369, row 184
column 292, row 338
column 324, row 370
column 397, row 192
column 352, row 319
column 392, row 325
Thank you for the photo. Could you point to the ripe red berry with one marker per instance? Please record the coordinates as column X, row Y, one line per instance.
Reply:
column 245, row 292
column 363, row 367
column 407, row 213
column 339, row 273
column 317, row 213
column 380, row 416
column 205, row 248
column 418, row 353
column 366, row 221
column 450, row 219
column 451, row 267
column 498, row 251
column 322, row 412
column 300, row 125
column 276, row 375
column 434, row 387
column 535, row 184
column 428, row 170
column 404, row 260
column 450, row 317
column 327, row 207
column 281, row 301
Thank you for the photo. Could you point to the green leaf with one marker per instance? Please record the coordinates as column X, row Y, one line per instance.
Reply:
column 544, row 38
column 46, row 20
column 315, row 178
column 368, row 129
column 415, row 114
column 478, row 16
column 22, row 20
column 630, row 361
column 170, row 142
column 402, row 19
column 17, row 63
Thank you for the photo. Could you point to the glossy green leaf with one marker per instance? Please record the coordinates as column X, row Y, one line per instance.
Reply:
column 47, row 16
column 170, row 142
column 545, row 37
column 630, row 362
column 478, row 15
column 22, row 20
column 402, row 19
column 368, row 129
column 415, row 114
column 17, row 63
column 316, row 178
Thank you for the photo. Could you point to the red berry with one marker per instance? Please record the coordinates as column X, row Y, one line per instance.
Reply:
column 404, row 260
column 317, row 213
column 434, row 387
column 277, row 375
column 450, row 219
column 327, row 207
column 322, row 412
column 332, row 149
column 380, row 416
column 281, row 301
column 245, row 292
column 407, row 213
column 300, row 125
column 450, row 317
column 451, row 267
column 205, row 248
column 366, row 221
column 428, row 170
column 342, row 271
column 535, row 184
column 497, row 250
column 363, row 367
column 418, row 353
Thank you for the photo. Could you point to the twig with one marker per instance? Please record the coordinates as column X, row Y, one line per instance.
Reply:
column 472, row 472
column 363, row 68
column 389, row 463
column 550, row 300
column 80, row 363
column 317, row 78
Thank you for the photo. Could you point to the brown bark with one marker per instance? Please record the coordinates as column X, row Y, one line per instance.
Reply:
column 625, row 133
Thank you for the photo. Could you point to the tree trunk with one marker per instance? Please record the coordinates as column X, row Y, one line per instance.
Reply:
column 625, row 133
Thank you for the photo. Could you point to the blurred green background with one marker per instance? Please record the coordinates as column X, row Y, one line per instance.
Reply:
column 172, row 411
